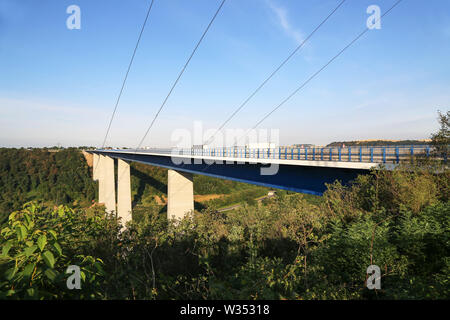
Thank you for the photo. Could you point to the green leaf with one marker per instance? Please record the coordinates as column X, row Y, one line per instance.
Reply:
column 57, row 248
column 41, row 242
column 28, row 270
column 10, row 273
column 6, row 248
column 31, row 225
column 99, row 268
column 31, row 292
column 30, row 250
column 21, row 232
column 49, row 259
column 12, row 216
column 51, row 274
column 83, row 276
column 53, row 234
column 10, row 292
column 5, row 230
column 27, row 219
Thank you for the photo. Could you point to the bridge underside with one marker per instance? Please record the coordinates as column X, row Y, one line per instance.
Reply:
column 304, row 179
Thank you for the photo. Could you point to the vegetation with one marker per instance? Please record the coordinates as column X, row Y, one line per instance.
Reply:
column 378, row 143
column 61, row 177
column 149, row 183
column 284, row 248
column 441, row 139
column 291, row 246
column 39, row 244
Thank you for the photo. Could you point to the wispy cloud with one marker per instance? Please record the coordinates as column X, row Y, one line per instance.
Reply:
column 281, row 14
column 14, row 106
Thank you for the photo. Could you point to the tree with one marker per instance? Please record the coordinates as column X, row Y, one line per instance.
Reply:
column 441, row 139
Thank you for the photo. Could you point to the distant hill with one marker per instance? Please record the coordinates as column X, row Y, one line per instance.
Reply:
column 380, row 143
column 61, row 177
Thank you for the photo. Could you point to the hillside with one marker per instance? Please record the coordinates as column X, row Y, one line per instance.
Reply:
column 61, row 177
column 282, row 248
column 379, row 143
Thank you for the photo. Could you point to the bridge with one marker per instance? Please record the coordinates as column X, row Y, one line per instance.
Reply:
column 305, row 170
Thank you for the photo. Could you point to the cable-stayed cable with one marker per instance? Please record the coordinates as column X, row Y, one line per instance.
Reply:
column 310, row 78
column 211, row 139
column 126, row 74
column 180, row 74
column 317, row 72
column 126, row 77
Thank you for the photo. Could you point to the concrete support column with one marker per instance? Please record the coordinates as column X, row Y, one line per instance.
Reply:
column 100, row 175
column 109, row 192
column 95, row 165
column 123, row 191
column 180, row 194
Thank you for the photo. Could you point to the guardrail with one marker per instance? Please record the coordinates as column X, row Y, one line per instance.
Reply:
column 370, row 154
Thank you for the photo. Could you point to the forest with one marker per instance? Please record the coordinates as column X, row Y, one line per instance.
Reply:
column 61, row 177
column 379, row 143
column 288, row 247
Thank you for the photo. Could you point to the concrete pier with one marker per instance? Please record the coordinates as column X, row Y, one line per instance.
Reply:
column 180, row 189
column 100, row 175
column 95, row 165
column 180, row 194
column 109, row 184
column 123, row 191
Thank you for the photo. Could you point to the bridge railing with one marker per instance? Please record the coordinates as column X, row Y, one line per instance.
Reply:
column 368, row 154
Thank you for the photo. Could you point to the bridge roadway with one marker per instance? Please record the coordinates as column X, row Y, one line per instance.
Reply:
column 305, row 176
column 305, row 170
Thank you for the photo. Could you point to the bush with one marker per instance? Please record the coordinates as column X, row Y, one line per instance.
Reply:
column 282, row 248
column 38, row 244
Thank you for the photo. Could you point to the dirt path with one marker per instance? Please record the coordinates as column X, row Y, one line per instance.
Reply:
column 160, row 201
column 207, row 197
column 235, row 206
column 198, row 198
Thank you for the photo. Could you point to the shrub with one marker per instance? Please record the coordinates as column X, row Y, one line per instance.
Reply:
column 38, row 246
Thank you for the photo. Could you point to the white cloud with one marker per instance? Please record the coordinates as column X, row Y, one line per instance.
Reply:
column 281, row 14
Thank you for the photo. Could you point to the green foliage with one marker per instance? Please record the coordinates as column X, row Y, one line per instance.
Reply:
column 284, row 248
column 377, row 143
column 150, row 181
column 291, row 246
column 247, row 195
column 61, row 177
column 386, row 191
column 38, row 244
column 441, row 139
column 209, row 185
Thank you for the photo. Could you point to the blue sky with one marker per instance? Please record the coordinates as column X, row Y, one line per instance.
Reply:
column 59, row 85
